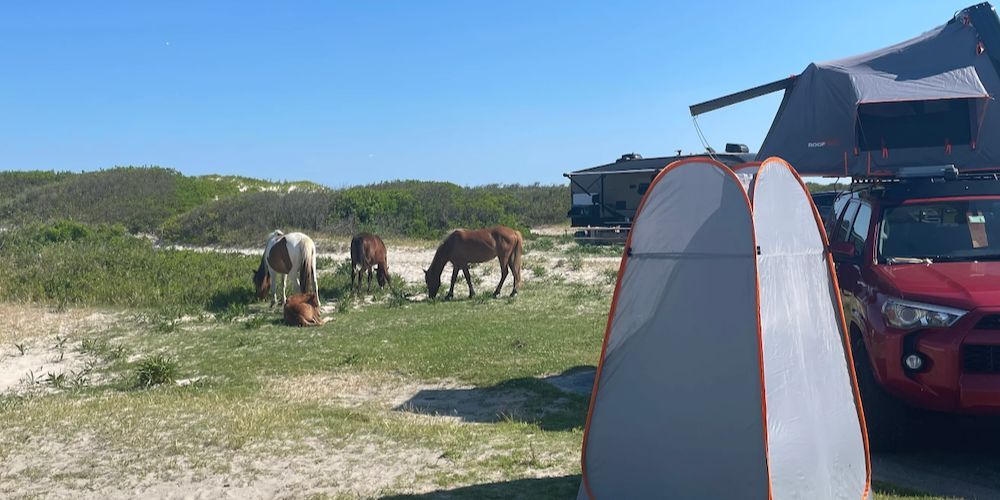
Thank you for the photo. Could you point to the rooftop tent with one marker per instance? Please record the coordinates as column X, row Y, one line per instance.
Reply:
column 725, row 373
column 925, row 101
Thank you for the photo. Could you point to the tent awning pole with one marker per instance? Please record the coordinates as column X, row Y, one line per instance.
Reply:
column 744, row 95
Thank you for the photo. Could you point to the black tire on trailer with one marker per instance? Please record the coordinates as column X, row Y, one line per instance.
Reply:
column 890, row 422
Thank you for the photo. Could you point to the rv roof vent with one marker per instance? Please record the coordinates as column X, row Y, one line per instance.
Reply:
column 736, row 148
column 630, row 156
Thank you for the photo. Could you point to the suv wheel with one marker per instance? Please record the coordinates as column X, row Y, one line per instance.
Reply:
column 890, row 423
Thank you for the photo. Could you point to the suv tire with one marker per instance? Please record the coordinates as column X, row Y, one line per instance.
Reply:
column 890, row 422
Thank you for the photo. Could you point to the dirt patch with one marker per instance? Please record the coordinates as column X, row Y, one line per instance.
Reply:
column 43, row 366
column 19, row 322
column 364, row 466
column 351, row 390
column 555, row 230
column 38, row 347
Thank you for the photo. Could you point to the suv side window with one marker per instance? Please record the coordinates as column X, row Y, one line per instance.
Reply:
column 844, row 228
column 859, row 231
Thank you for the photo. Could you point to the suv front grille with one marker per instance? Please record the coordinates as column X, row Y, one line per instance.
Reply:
column 991, row 322
column 981, row 359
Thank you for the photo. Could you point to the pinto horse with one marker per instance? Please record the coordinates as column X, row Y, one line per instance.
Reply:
column 292, row 254
column 367, row 252
column 463, row 247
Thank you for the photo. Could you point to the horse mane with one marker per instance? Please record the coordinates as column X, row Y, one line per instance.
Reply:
column 441, row 254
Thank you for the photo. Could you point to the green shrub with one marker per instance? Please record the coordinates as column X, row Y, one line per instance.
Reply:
column 155, row 370
column 400, row 208
column 538, row 270
column 229, row 210
column 67, row 263
column 14, row 183
column 541, row 244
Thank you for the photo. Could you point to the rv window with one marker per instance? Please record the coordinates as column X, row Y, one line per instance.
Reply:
column 643, row 186
column 916, row 124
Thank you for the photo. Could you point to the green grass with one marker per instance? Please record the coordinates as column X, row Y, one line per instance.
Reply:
column 614, row 250
column 491, row 348
column 71, row 264
column 479, row 341
column 270, row 391
column 885, row 491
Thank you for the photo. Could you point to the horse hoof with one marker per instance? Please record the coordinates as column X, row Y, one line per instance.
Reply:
column 513, row 293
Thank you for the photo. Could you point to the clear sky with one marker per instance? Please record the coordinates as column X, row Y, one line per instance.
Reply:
column 345, row 93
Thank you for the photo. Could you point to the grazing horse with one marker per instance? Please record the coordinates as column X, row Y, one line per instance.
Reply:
column 303, row 310
column 367, row 252
column 292, row 254
column 463, row 247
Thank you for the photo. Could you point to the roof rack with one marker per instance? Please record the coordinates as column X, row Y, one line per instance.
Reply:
column 887, row 180
column 930, row 182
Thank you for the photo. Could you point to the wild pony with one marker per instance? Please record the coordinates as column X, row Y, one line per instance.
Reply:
column 292, row 254
column 463, row 247
column 367, row 252
column 302, row 309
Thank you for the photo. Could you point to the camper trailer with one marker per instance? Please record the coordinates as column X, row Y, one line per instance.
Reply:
column 603, row 199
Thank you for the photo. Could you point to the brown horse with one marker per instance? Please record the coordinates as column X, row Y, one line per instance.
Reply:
column 367, row 252
column 463, row 247
column 302, row 310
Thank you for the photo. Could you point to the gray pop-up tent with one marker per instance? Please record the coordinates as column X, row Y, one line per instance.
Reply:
column 927, row 101
column 725, row 371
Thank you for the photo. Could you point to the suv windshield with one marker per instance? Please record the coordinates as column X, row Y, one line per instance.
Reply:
column 941, row 231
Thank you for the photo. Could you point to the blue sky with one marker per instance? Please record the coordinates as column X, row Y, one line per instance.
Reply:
column 345, row 93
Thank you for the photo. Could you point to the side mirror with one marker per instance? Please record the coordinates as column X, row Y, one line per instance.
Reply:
column 842, row 249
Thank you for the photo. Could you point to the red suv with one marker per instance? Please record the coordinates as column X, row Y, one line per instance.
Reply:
column 918, row 260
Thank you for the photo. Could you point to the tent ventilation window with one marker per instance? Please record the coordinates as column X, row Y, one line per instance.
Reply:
column 918, row 124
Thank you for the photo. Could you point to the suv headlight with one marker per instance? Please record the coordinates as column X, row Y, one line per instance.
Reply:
column 905, row 314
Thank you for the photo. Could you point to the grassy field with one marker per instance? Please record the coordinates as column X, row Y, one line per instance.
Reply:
column 170, row 389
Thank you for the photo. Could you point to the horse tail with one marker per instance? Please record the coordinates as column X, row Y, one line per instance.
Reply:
column 357, row 250
column 308, row 272
column 515, row 257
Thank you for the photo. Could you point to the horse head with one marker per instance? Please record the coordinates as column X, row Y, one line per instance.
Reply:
column 383, row 276
column 433, row 283
column 262, row 281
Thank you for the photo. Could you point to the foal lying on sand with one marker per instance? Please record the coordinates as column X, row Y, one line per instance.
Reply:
column 303, row 310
